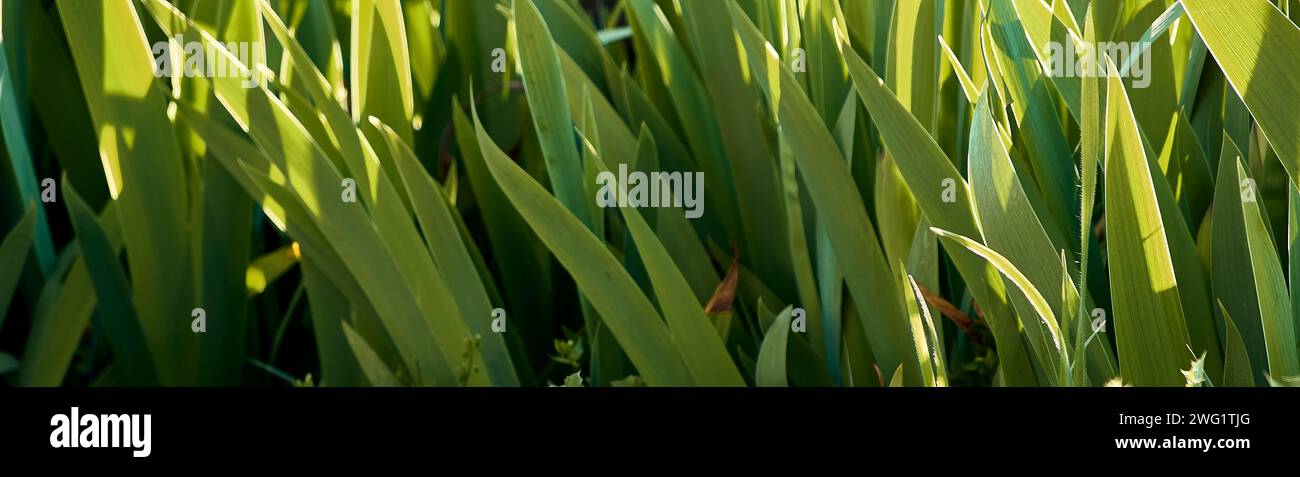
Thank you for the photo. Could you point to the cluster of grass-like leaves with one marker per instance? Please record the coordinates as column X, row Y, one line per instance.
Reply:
column 897, row 192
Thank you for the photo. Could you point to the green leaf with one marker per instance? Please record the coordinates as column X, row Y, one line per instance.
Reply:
column 929, row 351
column 913, row 59
column 377, row 373
column 381, row 65
column 1257, row 47
column 1237, row 370
column 329, row 312
column 1050, row 348
column 1150, row 332
column 576, row 37
column 1039, row 25
column 770, row 370
column 1293, row 250
column 13, row 254
column 612, row 134
column 968, row 87
column 453, row 259
column 896, row 208
column 221, row 216
column 704, row 353
column 832, row 282
column 614, row 35
column 515, row 247
column 1158, row 29
column 544, row 81
column 599, row 276
column 265, row 269
column 1092, row 128
column 1248, row 272
column 897, row 380
column 116, row 316
column 380, row 281
column 61, row 105
column 8, row 364
column 20, row 159
column 427, row 54
column 62, row 313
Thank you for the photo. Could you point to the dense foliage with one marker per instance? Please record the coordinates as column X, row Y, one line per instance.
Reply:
column 892, row 192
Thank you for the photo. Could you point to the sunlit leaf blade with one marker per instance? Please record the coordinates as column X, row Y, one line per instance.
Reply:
column 913, row 58
column 1248, row 274
column 929, row 351
column 126, row 102
column 1049, row 347
column 1011, row 228
column 221, row 258
column 381, row 65
column 399, row 279
column 265, row 269
column 968, row 87
column 1257, row 47
column 1092, row 127
column 1150, row 331
column 896, row 210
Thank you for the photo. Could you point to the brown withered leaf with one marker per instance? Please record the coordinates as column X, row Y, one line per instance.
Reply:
column 957, row 317
column 725, row 294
